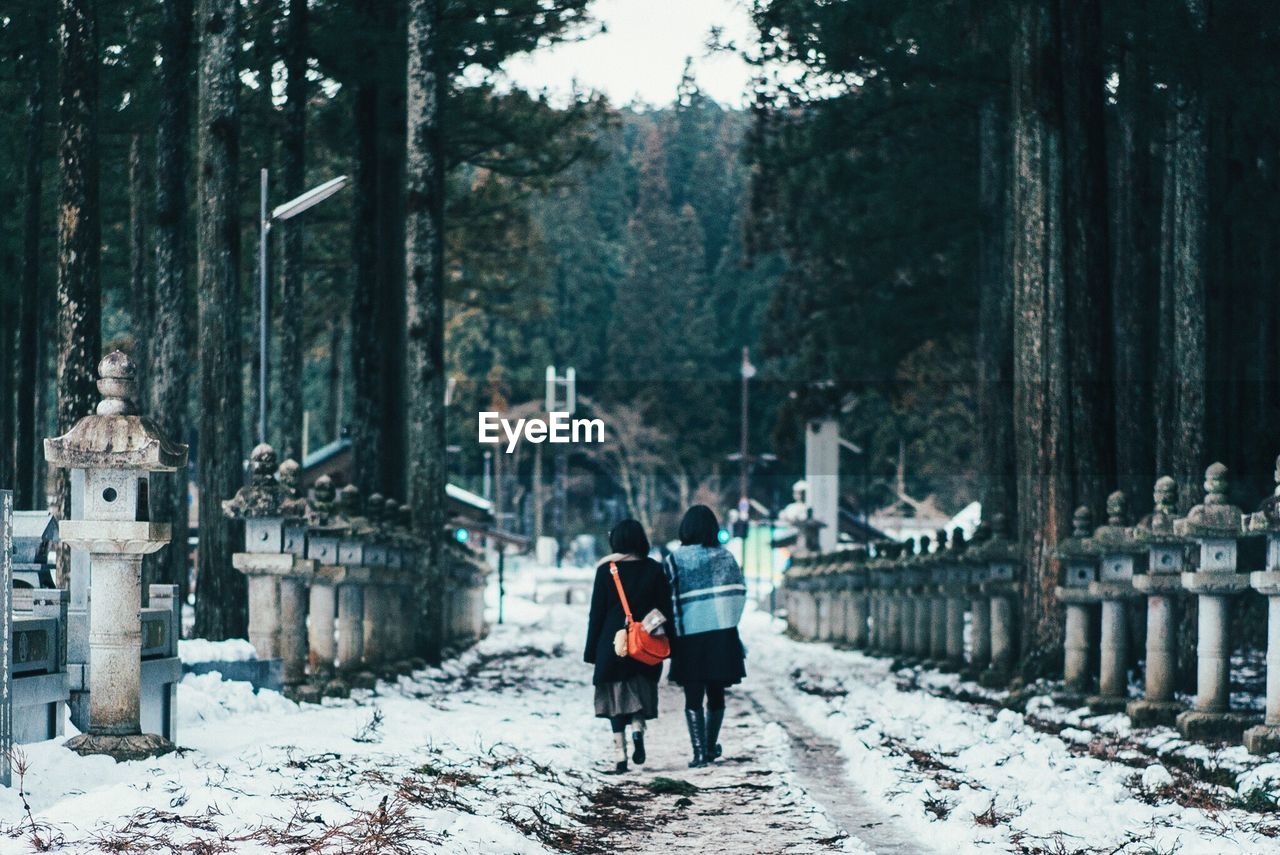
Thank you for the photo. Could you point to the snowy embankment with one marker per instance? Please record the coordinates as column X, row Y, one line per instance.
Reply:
column 428, row 764
column 971, row 776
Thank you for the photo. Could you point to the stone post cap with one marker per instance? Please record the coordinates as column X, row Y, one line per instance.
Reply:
column 263, row 495
column 115, row 436
column 1080, row 546
column 994, row 544
column 1157, row 526
column 1117, row 536
column 293, row 505
column 1215, row 517
column 1267, row 518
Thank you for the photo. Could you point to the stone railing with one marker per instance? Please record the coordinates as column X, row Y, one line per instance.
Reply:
column 330, row 582
column 911, row 601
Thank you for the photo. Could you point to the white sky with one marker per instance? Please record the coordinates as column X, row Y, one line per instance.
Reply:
column 642, row 54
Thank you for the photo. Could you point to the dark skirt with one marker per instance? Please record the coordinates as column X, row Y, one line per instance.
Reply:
column 708, row 657
column 634, row 696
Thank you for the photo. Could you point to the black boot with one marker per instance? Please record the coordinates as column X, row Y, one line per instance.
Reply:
column 638, row 739
column 715, row 718
column 697, row 723
column 620, row 739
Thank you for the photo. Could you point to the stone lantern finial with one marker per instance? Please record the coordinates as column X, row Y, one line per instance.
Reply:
column 1215, row 484
column 293, row 504
column 1117, row 509
column 118, row 385
column 1165, row 496
column 349, row 500
column 262, row 496
column 1215, row 516
column 1082, row 522
column 374, row 507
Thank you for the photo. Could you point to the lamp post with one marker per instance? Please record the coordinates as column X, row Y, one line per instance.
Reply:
column 287, row 211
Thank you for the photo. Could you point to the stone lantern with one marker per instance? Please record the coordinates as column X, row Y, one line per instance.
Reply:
column 1265, row 738
column 325, row 529
column 954, row 587
column 1162, row 584
column 352, row 580
column 1216, row 525
column 856, row 620
column 1120, row 553
column 274, row 562
column 1079, row 559
column 999, row 587
column 919, row 616
column 111, row 455
column 938, row 567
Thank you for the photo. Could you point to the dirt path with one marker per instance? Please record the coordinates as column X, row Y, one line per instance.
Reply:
column 746, row 803
column 820, row 769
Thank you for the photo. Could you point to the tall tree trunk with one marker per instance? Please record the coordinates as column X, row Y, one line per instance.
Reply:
column 366, row 355
column 169, row 352
column 221, row 605
column 143, row 309
column 1133, row 326
column 424, row 303
column 79, row 227
column 1086, row 260
column 27, row 491
column 333, row 424
column 995, row 320
column 1059, row 274
column 293, row 154
column 1181, row 434
column 392, row 209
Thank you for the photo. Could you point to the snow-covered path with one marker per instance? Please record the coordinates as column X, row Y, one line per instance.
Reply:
column 498, row 752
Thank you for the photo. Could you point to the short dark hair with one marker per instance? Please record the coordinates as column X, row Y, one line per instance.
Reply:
column 700, row 527
column 628, row 538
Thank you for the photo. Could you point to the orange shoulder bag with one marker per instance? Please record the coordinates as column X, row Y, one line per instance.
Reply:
column 641, row 646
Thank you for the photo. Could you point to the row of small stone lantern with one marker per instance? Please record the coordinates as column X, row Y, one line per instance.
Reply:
column 912, row 602
column 1163, row 558
column 308, row 561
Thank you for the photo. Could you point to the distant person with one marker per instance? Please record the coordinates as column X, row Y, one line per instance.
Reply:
column 626, row 690
column 709, row 593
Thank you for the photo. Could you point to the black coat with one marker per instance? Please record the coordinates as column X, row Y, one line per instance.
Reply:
column 647, row 589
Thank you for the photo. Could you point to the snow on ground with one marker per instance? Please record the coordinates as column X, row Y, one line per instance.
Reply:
column 497, row 751
column 973, row 777
column 194, row 650
column 463, row 759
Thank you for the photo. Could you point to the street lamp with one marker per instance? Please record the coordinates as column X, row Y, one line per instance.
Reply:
column 287, row 211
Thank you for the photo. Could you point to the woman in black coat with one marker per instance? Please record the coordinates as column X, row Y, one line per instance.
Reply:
column 626, row 690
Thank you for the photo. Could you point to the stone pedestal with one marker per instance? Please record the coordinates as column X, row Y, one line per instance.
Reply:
column 1004, row 642
column 979, row 633
column 322, row 649
column 937, row 629
column 858, row 620
column 1075, row 639
column 1211, row 717
column 1113, row 676
column 351, row 585
column 1265, row 738
column 1157, row 705
column 955, row 632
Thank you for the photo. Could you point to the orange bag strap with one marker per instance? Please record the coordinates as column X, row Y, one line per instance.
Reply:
column 622, row 595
